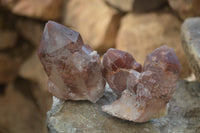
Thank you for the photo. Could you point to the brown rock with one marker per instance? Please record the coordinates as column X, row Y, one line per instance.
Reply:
column 96, row 22
column 140, row 34
column 123, row 5
column 136, row 5
column 8, row 68
column 47, row 9
column 7, row 39
column 30, row 30
column 147, row 5
column 33, row 70
column 185, row 8
column 23, row 103
column 191, row 43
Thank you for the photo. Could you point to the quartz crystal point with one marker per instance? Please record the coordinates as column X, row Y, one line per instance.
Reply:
column 143, row 94
column 73, row 68
column 119, row 67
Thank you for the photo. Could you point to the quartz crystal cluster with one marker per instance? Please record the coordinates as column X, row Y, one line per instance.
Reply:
column 73, row 68
column 75, row 73
column 143, row 92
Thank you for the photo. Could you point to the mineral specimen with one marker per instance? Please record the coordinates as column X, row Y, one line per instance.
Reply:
column 73, row 68
column 143, row 94
column 118, row 66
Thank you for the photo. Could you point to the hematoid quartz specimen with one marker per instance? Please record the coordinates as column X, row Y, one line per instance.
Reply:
column 75, row 73
column 143, row 92
column 73, row 68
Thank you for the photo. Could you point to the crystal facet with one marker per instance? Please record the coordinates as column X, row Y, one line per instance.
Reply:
column 143, row 94
column 119, row 67
column 73, row 68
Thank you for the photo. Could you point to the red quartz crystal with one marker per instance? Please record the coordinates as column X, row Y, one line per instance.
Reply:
column 143, row 94
column 73, row 68
column 118, row 67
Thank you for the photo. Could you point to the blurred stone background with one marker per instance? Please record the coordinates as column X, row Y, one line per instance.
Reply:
column 136, row 26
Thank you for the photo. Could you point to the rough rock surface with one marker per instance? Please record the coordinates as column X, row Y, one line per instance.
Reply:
column 136, row 5
column 73, row 68
column 8, row 39
column 140, row 34
column 185, row 8
column 102, row 24
column 183, row 115
column 143, row 95
column 47, row 9
column 191, row 43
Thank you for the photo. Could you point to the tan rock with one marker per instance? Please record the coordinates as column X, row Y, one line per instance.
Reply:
column 140, row 34
column 8, row 68
column 94, row 20
column 23, row 109
column 190, row 33
column 45, row 9
column 33, row 70
column 185, row 8
column 7, row 39
column 31, row 30
column 136, row 5
column 124, row 5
